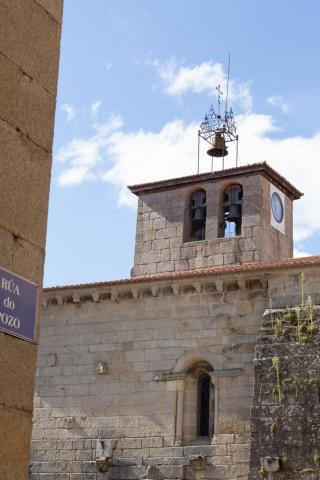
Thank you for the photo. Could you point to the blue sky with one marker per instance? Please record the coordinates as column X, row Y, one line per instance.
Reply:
column 137, row 77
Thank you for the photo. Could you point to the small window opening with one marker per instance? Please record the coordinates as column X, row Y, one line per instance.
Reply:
column 198, row 213
column 204, row 387
column 231, row 211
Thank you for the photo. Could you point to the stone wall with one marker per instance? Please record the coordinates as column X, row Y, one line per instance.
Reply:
column 160, row 239
column 285, row 414
column 114, row 365
column 29, row 55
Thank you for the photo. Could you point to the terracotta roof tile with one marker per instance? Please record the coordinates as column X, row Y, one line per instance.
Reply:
column 245, row 267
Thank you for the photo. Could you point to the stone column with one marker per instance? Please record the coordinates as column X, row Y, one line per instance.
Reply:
column 29, row 56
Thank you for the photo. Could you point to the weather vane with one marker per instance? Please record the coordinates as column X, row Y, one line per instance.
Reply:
column 217, row 129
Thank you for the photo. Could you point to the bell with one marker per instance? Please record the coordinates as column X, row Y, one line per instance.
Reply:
column 234, row 213
column 199, row 214
column 218, row 148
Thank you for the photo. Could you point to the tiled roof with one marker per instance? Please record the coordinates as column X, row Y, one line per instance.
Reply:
column 245, row 267
column 263, row 168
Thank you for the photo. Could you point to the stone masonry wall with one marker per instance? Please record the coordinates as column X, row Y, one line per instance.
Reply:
column 286, row 406
column 29, row 57
column 144, row 337
column 160, row 245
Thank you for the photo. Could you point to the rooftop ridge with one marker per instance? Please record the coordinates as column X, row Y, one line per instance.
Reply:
column 261, row 167
column 237, row 268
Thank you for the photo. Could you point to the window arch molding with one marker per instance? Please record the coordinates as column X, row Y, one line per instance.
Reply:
column 191, row 357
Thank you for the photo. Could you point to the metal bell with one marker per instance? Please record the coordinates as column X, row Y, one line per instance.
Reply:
column 218, row 148
column 199, row 214
column 234, row 213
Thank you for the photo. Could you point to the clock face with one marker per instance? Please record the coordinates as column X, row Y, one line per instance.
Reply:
column 277, row 207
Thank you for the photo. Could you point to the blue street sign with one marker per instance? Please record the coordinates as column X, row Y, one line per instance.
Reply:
column 18, row 305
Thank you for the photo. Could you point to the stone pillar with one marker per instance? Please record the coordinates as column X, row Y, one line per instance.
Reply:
column 29, row 56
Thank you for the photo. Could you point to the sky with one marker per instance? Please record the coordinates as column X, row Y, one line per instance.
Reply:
column 136, row 79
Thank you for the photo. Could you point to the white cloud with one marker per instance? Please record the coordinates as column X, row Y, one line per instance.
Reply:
column 113, row 155
column 95, row 107
column 144, row 156
column 82, row 156
column 278, row 101
column 70, row 111
column 205, row 77
column 300, row 253
column 122, row 158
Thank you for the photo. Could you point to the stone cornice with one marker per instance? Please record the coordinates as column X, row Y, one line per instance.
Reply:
column 257, row 168
column 133, row 292
column 196, row 277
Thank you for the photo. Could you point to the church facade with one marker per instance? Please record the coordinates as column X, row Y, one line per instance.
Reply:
column 155, row 376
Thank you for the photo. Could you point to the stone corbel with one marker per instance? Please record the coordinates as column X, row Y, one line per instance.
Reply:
column 176, row 289
column 102, row 368
column 241, row 284
column 219, row 285
column 103, row 455
column 44, row 302
column 197, row 462
column 135, row 293
column 155, row 290
column 270, row 465
column 198, row 287
column 76, row 298
column 115, row 295
column 59, row 299
column 95, row 297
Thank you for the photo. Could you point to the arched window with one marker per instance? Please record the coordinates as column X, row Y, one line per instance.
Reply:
column 198, row 409
column 196, row 221
column 231, row 211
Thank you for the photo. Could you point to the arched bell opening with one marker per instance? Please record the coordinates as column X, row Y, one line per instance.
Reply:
column 230, row 222
column 195, row 221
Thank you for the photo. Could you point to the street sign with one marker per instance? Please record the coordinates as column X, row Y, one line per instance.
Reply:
column 18, row 305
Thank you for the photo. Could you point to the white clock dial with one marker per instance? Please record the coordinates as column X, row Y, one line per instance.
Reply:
column 277, row 207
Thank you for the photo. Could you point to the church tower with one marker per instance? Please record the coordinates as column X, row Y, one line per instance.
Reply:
column 232, row 216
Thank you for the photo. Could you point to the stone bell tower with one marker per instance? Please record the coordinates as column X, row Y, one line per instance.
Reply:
column 231, row 216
